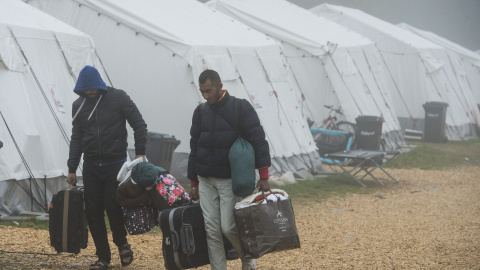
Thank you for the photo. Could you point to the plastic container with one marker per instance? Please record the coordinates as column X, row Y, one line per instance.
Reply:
column 369, row 132
column 160, row 149
column 435, row 117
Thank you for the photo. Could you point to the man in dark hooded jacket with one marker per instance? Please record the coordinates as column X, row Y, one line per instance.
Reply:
column 99, row 132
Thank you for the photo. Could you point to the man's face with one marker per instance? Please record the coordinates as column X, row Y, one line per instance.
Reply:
column 91, row 94
column 210, row 92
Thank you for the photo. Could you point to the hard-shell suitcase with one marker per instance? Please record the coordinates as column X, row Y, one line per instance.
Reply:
column 67, row 221
column 184, row 238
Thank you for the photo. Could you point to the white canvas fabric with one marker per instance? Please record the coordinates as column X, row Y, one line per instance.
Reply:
column 331, row 65
column 420, row 69
column 465, row 63
column 155, row 51
column 39, row 60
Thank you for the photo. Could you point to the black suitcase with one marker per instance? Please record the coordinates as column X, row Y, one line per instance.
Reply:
column 184, row 242
column 67, row 222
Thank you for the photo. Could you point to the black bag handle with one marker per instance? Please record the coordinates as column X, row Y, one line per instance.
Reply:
column 187, row 239
column 270, row 201
column 175, row 240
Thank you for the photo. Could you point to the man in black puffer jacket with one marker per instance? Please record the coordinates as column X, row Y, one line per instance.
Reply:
column 99, row 132
column 214, row 130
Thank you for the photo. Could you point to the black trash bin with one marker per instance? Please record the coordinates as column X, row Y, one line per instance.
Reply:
column 435, row 117
column 160, row 149
column 369, row 132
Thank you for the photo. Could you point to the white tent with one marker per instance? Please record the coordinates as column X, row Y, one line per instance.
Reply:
column 332, row 65
column 465, row 63
column 39, row 60
column 420, row 69
column 155, row 50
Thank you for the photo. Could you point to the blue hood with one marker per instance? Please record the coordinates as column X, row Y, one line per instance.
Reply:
column 89, row 79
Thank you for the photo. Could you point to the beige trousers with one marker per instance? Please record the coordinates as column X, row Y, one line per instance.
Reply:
column 217, row 202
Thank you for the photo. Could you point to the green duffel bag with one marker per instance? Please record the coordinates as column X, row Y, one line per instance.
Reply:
column 242, row 164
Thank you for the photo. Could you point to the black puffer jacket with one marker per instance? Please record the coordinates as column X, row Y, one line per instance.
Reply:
column 103, row 137
column 213, row 131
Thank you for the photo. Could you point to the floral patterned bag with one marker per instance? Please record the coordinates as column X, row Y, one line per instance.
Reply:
column 168, row 193
column 139, row 219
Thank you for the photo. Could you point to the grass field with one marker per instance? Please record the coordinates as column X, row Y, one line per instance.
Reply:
column 430, row 156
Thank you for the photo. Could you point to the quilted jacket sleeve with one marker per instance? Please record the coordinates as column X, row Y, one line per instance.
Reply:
column 194, row 135
column 253, row 132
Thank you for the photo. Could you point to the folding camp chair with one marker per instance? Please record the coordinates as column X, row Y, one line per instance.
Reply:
column 326, row 146
column 364, row 161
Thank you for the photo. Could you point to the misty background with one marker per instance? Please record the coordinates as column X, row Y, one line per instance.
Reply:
column 455, row 20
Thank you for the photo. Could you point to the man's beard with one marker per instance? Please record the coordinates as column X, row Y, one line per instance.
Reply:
column 92, row 97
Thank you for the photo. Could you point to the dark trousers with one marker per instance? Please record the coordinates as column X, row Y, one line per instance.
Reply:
column 100, row 186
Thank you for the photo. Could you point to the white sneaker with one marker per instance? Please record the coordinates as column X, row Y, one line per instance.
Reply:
column 249, row 264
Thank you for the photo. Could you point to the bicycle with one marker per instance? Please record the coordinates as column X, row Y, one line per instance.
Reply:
column 331, row 141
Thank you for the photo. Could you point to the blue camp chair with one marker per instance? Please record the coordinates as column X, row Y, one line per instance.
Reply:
column 335, row 146
column 326, row 143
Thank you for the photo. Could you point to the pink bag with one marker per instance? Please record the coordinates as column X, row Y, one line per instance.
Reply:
column 168, row 193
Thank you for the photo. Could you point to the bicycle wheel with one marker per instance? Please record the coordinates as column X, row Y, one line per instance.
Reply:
column 331, row 143
column 334, row 141
column 350, row 128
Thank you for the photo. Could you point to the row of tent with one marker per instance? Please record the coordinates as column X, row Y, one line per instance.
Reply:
column 287, row 61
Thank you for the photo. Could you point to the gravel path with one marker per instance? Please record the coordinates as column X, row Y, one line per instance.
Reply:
column 430, row 220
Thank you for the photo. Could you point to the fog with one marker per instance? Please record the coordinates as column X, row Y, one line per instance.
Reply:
column 455, row 20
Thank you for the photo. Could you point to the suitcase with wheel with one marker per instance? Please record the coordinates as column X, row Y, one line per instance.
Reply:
column 184, row 242
column 67, row 222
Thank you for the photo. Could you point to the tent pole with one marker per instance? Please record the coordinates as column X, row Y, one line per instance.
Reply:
column 246, row 91
column 284, row 113
column 344, row 82
column 296, row 81
column 378, row 87
column 455, row 127
column 45, row 189
column 31, row 197
column 462, row 98
column 30, row 173
column 397, row 88
column 69, row 67
column 103, row 67
column 396, row 139
column 62, row 130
